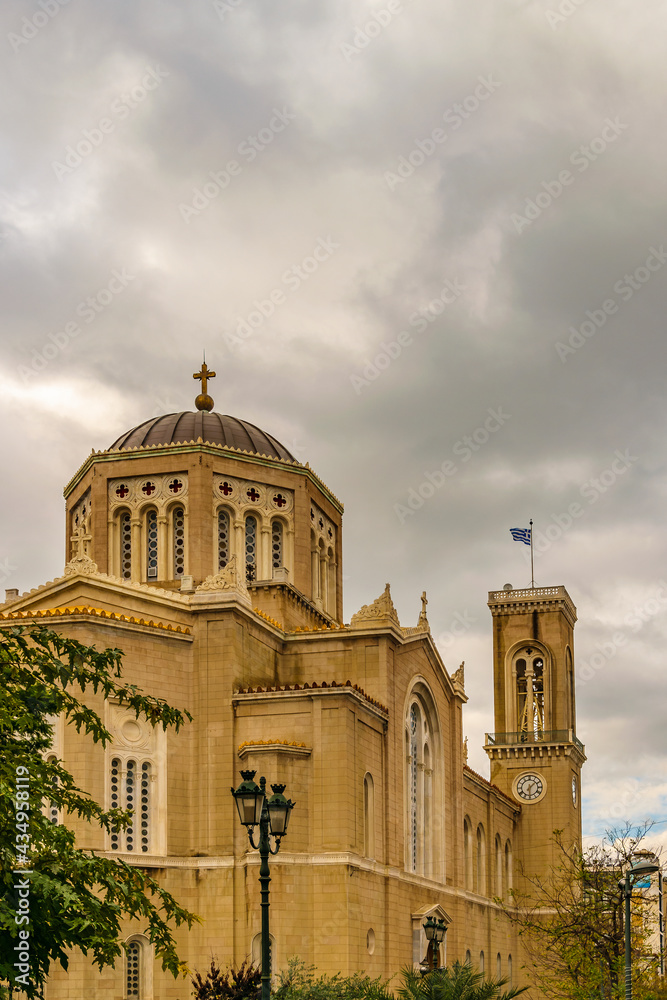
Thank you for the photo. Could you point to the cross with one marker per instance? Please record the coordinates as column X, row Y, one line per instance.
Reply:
column 204, row 375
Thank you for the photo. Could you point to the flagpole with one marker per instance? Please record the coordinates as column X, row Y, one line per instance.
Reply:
column 532, row 570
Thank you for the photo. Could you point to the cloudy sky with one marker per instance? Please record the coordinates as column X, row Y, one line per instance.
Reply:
column 422, row 244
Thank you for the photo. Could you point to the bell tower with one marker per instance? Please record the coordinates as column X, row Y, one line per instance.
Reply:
column 535, row 755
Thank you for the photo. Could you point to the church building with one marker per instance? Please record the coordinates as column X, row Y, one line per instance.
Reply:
column 198, row 545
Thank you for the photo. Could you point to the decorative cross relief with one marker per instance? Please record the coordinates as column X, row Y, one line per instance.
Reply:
column 81, row 561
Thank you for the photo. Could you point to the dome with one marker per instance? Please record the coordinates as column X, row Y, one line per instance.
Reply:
column 172, row 428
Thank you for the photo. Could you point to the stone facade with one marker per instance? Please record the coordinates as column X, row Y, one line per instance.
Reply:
column 242, row 625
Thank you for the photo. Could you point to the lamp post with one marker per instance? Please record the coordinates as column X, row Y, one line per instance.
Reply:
column 272, row 816
column 636, row 871
column 435, row 934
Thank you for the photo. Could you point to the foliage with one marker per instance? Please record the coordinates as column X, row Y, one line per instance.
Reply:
column 244, row 983
column 458, row 982
column 298, row 982
column 76, row 898
column 571, row 922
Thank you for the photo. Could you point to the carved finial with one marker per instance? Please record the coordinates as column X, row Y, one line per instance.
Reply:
column 465, row 750
column 203, row 400
column 380, row 611
column 459, row 676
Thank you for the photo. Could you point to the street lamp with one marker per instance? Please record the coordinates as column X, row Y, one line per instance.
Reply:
column 435, row 933
column 639, row 870
column 272, row 816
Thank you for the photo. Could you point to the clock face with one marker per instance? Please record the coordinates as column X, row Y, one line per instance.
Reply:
column 530, row 787
column 574, row 791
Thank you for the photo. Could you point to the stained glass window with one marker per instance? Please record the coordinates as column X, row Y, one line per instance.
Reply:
column 179, row 541
column 126, row 546
column 251, row 548
column 151, row 545
column 223, row 539
column 276, row 544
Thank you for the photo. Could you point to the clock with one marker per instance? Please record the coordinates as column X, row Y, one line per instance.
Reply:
column 574, row 790
column 530, row 787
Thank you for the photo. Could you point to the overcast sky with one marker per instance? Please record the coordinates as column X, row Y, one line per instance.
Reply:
column 422, row 245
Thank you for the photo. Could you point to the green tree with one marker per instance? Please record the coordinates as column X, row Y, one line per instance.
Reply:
column 571, row 922
column 456, row 982
column 54, row 896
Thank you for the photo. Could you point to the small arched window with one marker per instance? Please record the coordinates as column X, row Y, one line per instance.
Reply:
column 508, row 867
column 481, row 861
column 509, row 972
column 251, row 548
column 481, row 961
column 133, row 971
column 125, row 525
column 467, row 853
column 499, row 966
column 223, row 539
column 499, row 867
column 50, row 808
column 468, row 958
column 179, row 541
column 276, row 544
column 369, row 817
column 151, row 545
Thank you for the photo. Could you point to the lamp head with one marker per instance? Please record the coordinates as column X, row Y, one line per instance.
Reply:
column 280, row 810
column 249, row 798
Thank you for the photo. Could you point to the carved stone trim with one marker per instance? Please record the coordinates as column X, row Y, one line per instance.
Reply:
column 380, row 611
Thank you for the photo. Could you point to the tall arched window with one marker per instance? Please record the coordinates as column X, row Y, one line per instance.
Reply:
column 481, row 961
column 133, row 970
column 468, row 957
column 223, row 538
column 509, row 971
column 369, row 817
column 125, row 525
column 481, row 861
column 151, row 545
column 499, row 867
column 569, row 673
column 530, row 707
column 467, row 853
column 415, row 734
column 423, row 851
column 130, row 787
column 499, row 966
column 179, row 541
column 277, row 544
column 251, row 548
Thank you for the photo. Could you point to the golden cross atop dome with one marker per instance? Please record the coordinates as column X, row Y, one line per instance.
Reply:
column 203, row 400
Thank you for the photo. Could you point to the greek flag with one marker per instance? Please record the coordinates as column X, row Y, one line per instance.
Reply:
column 521, row 535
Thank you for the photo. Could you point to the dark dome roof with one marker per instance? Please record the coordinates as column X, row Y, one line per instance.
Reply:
column 214, row 427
